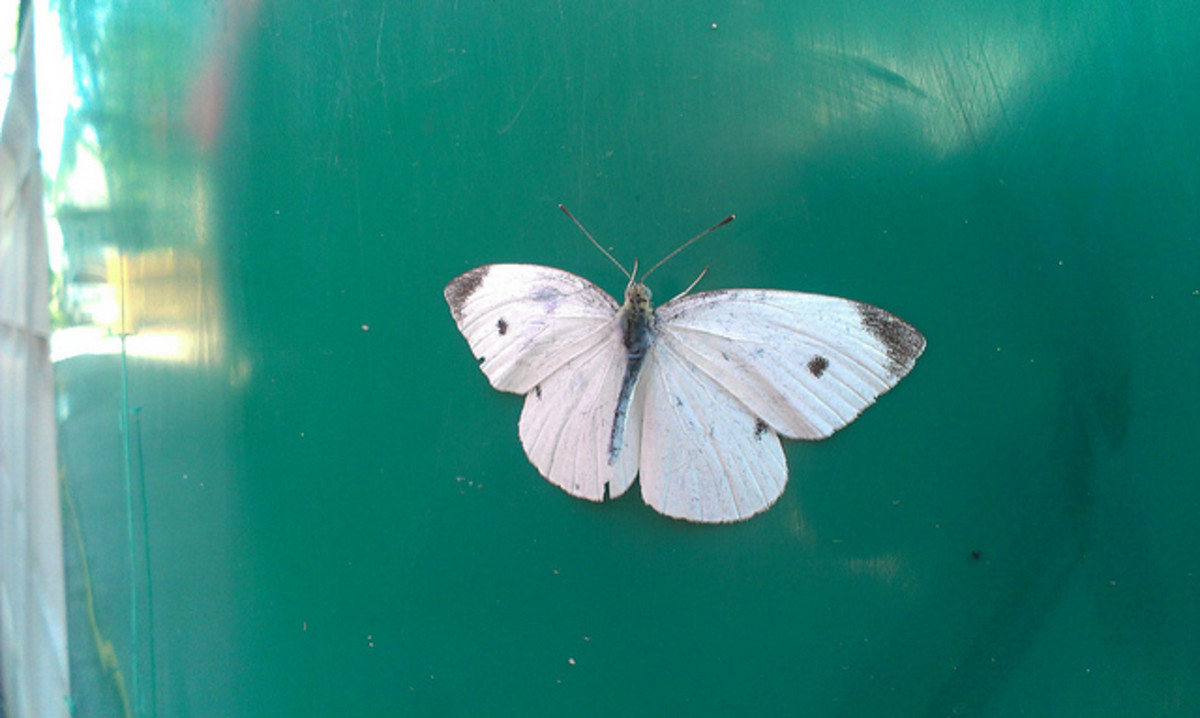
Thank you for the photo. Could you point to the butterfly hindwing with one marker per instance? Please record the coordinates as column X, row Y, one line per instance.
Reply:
column 567, row 421
column 806, row 364
column 705, row 456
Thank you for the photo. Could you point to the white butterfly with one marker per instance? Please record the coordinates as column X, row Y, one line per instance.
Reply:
column 692, row 396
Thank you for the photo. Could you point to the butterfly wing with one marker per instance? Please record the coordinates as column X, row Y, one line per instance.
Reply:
column 523, row 321
column 806, row 364
column 731, row 370
column 553, row 336
column 704, row 456
column 566, row 425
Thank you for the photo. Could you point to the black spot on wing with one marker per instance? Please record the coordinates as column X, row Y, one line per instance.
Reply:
column 901, row 340
column 760, row 428
column 481, row 359
column 537, row 390
column 460, row 289
column 817, row 366
column 502, row 326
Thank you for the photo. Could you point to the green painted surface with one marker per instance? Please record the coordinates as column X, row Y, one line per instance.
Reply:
column 340, row 518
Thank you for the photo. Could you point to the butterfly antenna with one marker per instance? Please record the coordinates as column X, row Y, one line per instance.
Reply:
column 684, row 246
column 597, row 244
column 692, row 285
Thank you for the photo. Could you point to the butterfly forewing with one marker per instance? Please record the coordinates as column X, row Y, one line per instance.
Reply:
column 524, row 321
column 806, row 364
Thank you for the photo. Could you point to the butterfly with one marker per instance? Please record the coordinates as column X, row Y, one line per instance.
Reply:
column 690, row 397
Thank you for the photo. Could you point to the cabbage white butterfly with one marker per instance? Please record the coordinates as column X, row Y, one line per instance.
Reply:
column 691, row 397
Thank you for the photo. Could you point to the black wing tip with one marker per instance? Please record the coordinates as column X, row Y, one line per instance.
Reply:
column 460, row 289
column 901, row 340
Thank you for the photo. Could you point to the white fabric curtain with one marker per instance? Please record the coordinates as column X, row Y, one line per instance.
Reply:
column 33, row 633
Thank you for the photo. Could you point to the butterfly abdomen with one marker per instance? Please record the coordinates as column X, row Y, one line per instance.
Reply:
column 634, row 318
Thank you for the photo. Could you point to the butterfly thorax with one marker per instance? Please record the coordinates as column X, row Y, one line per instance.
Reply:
column 635, row 316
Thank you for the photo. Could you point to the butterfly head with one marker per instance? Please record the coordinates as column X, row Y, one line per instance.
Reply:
column 637, row 296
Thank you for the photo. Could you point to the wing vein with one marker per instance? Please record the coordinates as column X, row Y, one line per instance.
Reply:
column 687, row 366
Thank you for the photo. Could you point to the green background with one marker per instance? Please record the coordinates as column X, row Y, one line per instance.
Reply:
column 323, row 509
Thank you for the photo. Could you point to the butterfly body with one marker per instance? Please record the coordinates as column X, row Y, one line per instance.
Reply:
column 691, row 397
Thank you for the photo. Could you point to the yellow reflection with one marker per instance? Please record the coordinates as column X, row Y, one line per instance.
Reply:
column 152, row 304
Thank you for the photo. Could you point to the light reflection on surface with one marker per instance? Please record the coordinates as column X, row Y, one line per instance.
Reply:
column 138, row 327
column 91, row 340
column 156, row 299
